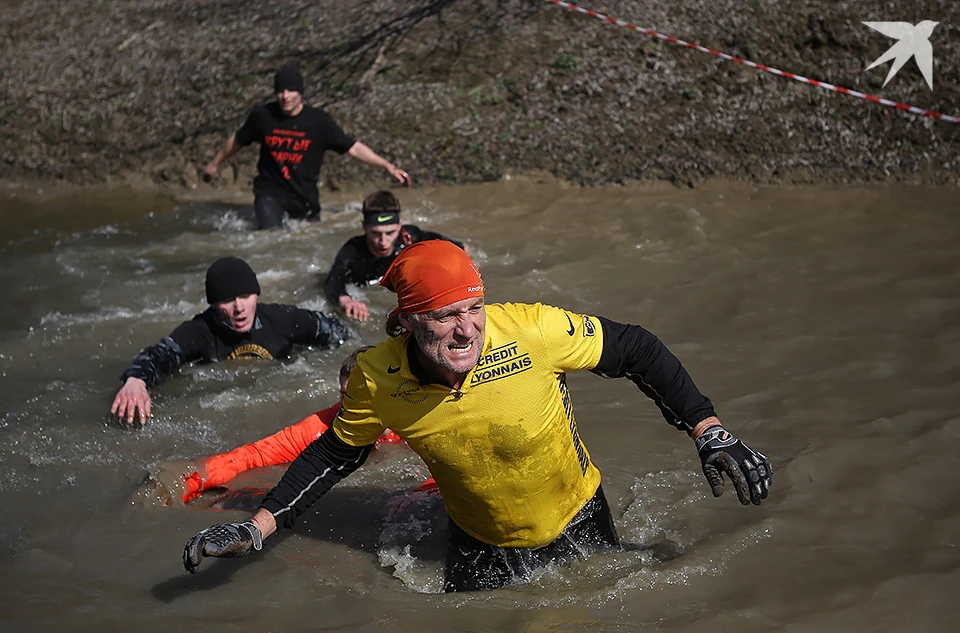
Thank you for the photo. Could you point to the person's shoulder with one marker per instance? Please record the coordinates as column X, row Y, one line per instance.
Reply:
column 202, row 324
column 357, row 242
column 278, row 310
column 353, row 249
column 389, row 349
column 311, row 113
column 260, row 110
column 205, row 318
column 514, row 308
column 377, row 361
column 510, row 315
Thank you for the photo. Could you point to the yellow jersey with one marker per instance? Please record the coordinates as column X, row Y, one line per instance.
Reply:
column 504, row 448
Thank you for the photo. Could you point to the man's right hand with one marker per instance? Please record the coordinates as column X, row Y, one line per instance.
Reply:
column 227, row 540
column 210, row 171
column 131, row 398
column 354, row 309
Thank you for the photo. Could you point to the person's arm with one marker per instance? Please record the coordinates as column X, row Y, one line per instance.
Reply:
column 335, row 286
column 154, row 364
column 318, row 468
column 151, row 366
column 280, row 448
column 366, row 155
column 230, row 147
column 312, row 327
column 631, row 351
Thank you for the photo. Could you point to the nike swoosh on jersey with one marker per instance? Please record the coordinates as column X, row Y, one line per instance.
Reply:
column 392, row 370
column 571, row 330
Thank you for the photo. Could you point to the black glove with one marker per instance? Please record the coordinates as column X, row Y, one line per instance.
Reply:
column 228, row 540
column 722, row 453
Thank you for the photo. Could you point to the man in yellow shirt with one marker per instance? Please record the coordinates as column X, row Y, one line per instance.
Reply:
column 479, row 392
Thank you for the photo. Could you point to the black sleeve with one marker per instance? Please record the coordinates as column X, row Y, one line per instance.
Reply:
column 334, row 136
column 336, row 283
column 249, row 131
column 190, row 341
column 323, row 463
column 316, row 328
column 633, row 352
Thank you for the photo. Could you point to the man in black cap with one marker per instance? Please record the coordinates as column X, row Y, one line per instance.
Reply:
column 234, row 326
column 293, row 138
column 364, row 259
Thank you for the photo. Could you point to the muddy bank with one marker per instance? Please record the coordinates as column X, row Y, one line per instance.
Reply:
column 118, row 92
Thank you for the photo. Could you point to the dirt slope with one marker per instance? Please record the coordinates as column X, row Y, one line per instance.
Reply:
column 95, row 92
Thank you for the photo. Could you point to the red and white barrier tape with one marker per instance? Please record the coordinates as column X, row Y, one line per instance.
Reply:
column 813, row 82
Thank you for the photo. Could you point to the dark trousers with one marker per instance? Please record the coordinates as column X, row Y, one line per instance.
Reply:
column 271, row 210
column 473, row 565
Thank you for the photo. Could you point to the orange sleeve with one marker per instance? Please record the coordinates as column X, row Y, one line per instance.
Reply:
column 429, row 486
column 280, row 448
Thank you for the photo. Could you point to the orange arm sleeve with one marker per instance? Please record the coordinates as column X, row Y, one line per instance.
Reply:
column 280, row 448
column 429, row 486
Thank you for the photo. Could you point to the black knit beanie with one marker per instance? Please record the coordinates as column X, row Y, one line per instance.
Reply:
column 230, row 277
column 288, row 78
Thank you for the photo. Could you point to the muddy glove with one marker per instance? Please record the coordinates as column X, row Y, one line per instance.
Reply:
column 723, row 454
column 228, row 540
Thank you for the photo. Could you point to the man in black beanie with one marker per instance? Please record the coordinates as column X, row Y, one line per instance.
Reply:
column 293, row 138
column 234, row 326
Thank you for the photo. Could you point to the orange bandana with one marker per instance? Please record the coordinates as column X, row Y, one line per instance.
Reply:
column 432, row 274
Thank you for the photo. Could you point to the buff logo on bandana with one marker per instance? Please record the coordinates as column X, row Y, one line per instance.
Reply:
column 478, row 288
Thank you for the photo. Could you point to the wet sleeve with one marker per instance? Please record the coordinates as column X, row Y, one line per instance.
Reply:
column 155, row 363
column 358, row 424
column 248, row 132
column 280, row 448
column 319, row 467
column 316, row 328
column 335, row 138
column 335, row 285
column 631, row 351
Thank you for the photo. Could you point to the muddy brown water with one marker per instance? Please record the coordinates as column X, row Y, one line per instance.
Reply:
column 823, row 323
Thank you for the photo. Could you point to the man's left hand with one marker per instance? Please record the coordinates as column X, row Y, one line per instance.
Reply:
column 399, row 174
column 723, row 454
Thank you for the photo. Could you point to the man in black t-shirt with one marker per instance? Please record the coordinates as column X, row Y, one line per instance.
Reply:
column 293, row 138
column 365, row 258
column 234, row 326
